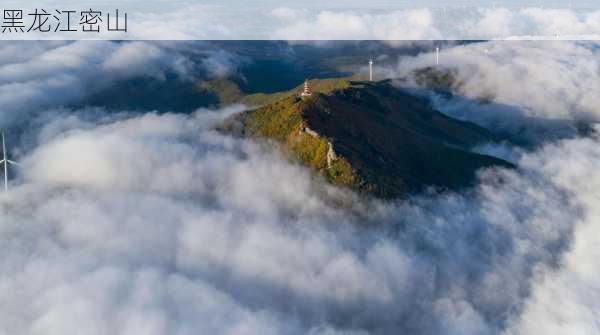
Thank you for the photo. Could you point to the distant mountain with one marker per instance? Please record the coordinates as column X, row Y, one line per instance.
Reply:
column 228, row 92
column 249, row 68
column 371, row 137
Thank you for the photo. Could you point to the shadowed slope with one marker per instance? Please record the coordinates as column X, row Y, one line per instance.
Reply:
column 375, row 138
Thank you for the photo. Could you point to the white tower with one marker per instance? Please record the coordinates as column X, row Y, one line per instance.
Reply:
column 437, row 55
column 371, row 69
column 5, row 161
column 306, row 92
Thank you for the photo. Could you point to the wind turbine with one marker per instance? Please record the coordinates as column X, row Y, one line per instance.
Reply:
column 437, row 55
column 371, row 69
column 6, row 161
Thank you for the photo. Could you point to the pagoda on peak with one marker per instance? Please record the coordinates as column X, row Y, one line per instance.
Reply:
column 306, row 92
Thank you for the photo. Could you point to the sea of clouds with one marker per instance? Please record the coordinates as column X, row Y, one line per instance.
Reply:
column 146, row 223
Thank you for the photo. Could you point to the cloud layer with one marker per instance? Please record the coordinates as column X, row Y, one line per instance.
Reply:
column 35, row 76
column 57, row 73
column 538, row 90
column 186, row 20
column 157, row 224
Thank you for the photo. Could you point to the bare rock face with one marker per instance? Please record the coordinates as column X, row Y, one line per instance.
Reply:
column 331, row 156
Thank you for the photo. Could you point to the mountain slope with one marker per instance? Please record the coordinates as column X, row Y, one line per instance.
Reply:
column 375, row 138
column 228, row 92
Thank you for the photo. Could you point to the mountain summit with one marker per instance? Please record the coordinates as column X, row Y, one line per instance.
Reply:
column 374, row 138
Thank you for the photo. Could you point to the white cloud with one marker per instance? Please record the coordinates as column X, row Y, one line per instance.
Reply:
column 327, row 25
column 426, row 24
column 220, row 62
column 60, row 73
column 288, row 14
column 382, row 22
column 565, row 300
column 493, row 23
column 529, row 23
column 545, row 87
column 134, row 59
column 187, row 20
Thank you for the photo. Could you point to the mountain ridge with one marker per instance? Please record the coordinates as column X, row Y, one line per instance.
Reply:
column 373, row 137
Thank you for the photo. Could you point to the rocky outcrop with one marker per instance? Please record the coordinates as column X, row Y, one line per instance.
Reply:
column 306, row 129
column 331, row 155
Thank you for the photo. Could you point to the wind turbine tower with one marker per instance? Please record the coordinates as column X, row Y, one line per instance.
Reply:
column 6, row 161
column 370, row 69
column 437, row 55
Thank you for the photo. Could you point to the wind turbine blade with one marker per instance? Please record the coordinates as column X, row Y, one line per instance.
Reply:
column 3, row 147
column 2, row 161
column 13, row 162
